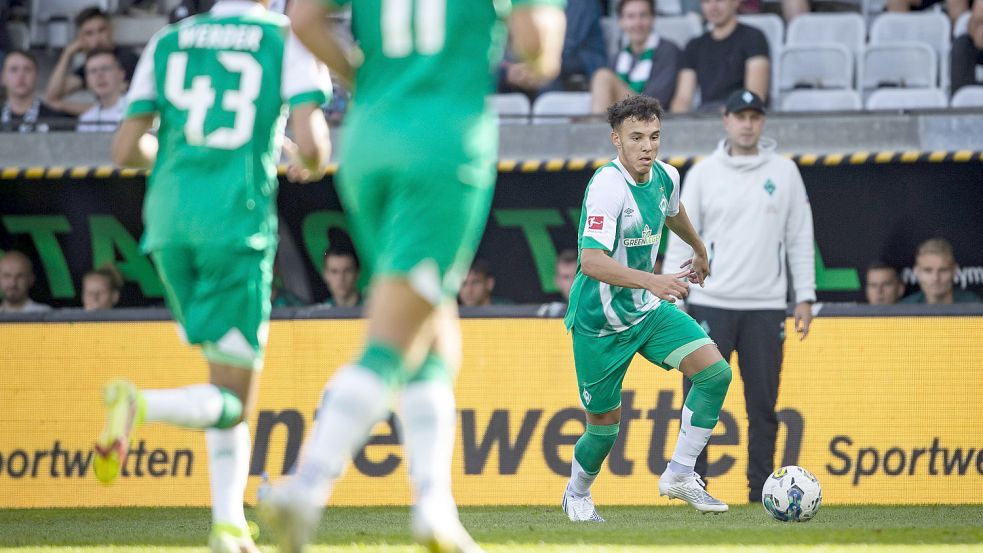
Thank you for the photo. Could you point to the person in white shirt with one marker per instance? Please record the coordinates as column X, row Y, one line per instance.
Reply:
column 749, row 206
column 16, row 280
column 105, row 77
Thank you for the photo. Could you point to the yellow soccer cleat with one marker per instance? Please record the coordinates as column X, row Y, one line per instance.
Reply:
column 124, row 412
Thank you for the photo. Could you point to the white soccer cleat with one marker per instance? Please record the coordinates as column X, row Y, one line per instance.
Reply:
column 436, row 526
column 580, row 508
column 226, row 538
column 691, row 489
column 293, row 513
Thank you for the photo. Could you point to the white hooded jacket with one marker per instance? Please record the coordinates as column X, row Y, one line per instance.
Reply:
column 754, row 216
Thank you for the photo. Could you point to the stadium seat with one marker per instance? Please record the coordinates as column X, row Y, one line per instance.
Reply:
column 931, row 28
column 136, row 31
column 847, row 29
column 821, row 100
column 512, row 107
column 904, row 64
column 820, row 65
column 43, row 12
column 901, row 98
column 548, row 106
column 20, row 35
column 612, row 34
column 961, row 26
column 968, row 96
column 774, row 29
column 679, row 29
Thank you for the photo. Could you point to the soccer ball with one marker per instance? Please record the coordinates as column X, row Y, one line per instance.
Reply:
column 792, row 494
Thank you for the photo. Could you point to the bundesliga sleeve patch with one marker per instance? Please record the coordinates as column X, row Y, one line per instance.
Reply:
column 595, row 222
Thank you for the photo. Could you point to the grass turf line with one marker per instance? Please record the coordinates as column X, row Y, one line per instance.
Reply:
column 513, row 529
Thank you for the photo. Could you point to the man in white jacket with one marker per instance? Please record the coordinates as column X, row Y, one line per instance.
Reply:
column 751, row 210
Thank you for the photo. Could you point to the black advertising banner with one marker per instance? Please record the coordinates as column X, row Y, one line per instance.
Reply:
column 69, row 221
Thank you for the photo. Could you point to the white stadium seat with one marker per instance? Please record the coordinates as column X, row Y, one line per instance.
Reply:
column 136, row 31
column 904, row 64
column 847, row 29
column 678, row 29
column 821, row 65
column 550, row 105
column 511, row 106
column 821, row 100
column 774, row 29
column 906, row 98
column 931, row 28
column 968, row 96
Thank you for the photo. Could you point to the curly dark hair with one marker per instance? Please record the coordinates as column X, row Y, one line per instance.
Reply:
column 638, row 107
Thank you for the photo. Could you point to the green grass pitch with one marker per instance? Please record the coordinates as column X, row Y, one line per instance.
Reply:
column 747, row 528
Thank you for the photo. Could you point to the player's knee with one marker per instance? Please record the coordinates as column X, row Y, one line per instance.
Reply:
column 715, row 378
column 232, row 412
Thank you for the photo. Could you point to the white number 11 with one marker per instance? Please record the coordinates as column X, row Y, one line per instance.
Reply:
column 429, row 23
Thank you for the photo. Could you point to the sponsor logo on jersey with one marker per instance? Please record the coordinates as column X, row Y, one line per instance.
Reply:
column 647, row 239
column 595, row 222
column 629, row 212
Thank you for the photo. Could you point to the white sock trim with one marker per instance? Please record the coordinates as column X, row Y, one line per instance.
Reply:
column 428, row 416
column 228, row 467
column 691, row 440
column 195, row 406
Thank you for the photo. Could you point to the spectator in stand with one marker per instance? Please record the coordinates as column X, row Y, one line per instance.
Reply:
column 883, row 286
column 563, row 275
column 967, row 51
column 647, row 65
column 24, row 111
column 583, row 53
column 478, row 286
column 101, row 288
column 16, row 280
column 935, row 270
column 340, row 273
column 105, row 78
column 953, row 8
column 730, row 56
column 94, row 32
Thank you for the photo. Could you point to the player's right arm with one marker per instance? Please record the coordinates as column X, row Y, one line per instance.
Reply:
column 537, row 30
column 132, row 146
column 308, row 21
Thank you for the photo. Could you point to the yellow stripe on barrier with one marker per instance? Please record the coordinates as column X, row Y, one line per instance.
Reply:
column 104, row 171
column 962, row 155
column 859, row 157
column 577, row 164
column 529, row 166
column 678, row 161
column 937, row 156
column 506, row 166
column 883, row 157
column 808, row 159
column 34, row 173
column 9, row 173
column 598, row 163
column 130, row 172
column 833, row 159
column 78, row 172
column 554, row 165
column 910, row 156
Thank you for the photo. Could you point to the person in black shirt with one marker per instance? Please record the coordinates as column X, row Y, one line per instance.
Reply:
column 95, row 32
column 728, row 57
column 24, row 111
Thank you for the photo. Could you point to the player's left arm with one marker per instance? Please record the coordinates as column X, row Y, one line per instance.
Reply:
column 799, row 240
column 308, row 21
column 683, row 228
column 132, row 146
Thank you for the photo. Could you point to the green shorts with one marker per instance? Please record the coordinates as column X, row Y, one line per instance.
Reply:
column 664, row 337
column 220, row 297
column 421, row 222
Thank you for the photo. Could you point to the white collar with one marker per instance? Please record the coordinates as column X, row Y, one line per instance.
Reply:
column 627, row 174
column 235, row 7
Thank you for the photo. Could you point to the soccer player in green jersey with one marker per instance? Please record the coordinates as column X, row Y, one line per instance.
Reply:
column 220, row 84
column 619, row 307
column 416, row 174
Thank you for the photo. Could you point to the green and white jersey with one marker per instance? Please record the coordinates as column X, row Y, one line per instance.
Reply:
column 220, row 83
column 420, row 93
column 624, row 219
